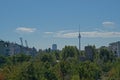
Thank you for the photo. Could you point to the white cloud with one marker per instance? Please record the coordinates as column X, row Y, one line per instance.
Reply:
column 66, row 35
column 100, row 34
column 92, row 34
column 48, row 32
column 108, row 24
column 25, row 29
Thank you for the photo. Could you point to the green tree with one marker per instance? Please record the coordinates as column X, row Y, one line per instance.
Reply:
column 69, row 51
column 56, row 54
column 65, row 70
column 49, row 75
column 3, row 60
column 114, row 72
column 88, row 71
column 47, row 57
column 106, row 55
column 28, row 73
column 19, row 58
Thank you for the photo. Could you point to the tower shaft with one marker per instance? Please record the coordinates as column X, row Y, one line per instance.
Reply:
column 79, row 37
column 79, row 42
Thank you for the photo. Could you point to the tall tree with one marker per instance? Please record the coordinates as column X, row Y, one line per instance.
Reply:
column 69, row 51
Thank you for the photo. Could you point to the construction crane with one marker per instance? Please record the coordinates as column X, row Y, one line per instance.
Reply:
column 26, row 43
column 21, row 40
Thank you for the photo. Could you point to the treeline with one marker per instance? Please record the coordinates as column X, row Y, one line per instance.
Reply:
column 61, row 65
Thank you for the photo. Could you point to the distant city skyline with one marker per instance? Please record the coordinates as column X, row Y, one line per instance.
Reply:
column 43, row 23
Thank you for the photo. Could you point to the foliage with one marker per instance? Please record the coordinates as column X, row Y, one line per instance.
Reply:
column 106, row 55
column 19, row 58
column 2, row 76
column 65, row 69
column 69, row 51
column 3, row 60
column 89, row 71
column 114, row 72
column 56, row 54
column 64, row 65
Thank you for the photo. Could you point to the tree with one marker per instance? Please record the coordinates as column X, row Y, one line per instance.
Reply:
column 57, row 55
column 49, row 75
column 19, row 58
column 46, row 57
column 114, row 72
column 3, row 60
column 2, row 77
column 88, row 71
column 69, row 51
column 106, row 55
column 28, row 73
column 65, row 70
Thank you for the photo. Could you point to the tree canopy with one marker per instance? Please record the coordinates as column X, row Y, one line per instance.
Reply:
column 61, row 65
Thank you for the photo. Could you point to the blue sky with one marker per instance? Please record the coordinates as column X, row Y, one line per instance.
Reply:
column 44, row 22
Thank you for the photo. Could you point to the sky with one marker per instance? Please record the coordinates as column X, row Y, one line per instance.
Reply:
column 46, row 22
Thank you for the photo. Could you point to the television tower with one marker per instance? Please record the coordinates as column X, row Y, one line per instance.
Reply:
column 79, row 37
